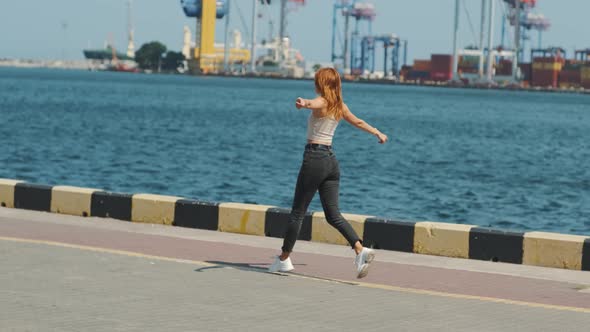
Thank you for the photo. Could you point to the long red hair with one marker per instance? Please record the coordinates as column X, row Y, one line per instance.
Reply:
column 329, row 86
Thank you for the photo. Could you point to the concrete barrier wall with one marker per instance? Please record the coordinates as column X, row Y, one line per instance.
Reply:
column 7, row 192
column 424, row 237
column 153, row 209
column 71, row 200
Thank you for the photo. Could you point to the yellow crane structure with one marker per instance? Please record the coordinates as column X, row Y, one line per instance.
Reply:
column 206, row 57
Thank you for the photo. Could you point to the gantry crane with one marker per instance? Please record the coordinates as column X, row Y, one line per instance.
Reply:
column 361, row 12
column 391, row 49
column 528, row 20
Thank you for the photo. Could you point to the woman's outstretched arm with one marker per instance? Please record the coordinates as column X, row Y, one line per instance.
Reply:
column 313, row 104
column 361, row 124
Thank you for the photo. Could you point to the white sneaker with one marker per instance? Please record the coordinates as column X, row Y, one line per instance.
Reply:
column 281, row 266
column 363, row 261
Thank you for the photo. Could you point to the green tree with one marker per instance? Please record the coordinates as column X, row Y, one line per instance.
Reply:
column 316, row 67
column 149, row 55
column 172, row 61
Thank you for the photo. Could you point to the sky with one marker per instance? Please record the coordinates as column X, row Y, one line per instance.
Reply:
column 61, row 29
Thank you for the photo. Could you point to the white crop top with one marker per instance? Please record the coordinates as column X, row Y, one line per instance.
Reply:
column 321, row 130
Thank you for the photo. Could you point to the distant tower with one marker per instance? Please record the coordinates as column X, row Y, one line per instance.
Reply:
column 130, row 45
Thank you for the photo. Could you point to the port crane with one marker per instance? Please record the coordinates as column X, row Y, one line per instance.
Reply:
column 356, row 51
column 522, row 11
column 361, row 12
column 206, row 57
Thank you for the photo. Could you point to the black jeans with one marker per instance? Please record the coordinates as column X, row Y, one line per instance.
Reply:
column 319, row 172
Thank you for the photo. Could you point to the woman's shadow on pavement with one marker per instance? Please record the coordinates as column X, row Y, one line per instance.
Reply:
column 251, row 267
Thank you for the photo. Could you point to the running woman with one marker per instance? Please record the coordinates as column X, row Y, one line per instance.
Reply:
column 320, row 171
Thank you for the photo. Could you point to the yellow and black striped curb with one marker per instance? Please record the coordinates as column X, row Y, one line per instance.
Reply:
column 425, row 237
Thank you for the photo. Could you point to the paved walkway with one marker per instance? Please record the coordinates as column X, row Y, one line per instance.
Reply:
column 62, row 273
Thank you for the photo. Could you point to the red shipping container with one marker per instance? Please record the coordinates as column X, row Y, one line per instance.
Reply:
column 422, row 65
column 526, row 71
column 546, row 71
column 441, row 63
column 441, row 76
column 442, row 67
column 504, row 68
column 570, row 77
column 545, row 78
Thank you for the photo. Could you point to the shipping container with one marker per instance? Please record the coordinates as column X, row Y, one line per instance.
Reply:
column 548, row 63
column 546, row 71
column 573, row 62
column 469, row 64
column 415, row 75
column 554, row 66
column 572, row 65
column 442, row 62
column 441, row 76
column 467, row 70
column 406, row 68
column 504, row 68
column 550, row 59
column 422, row 65
column 525, row 71
column 442, row 67
column 570, row 76
column 403, row 72
column 585, row 77
column 545, row 78
column 469, row 60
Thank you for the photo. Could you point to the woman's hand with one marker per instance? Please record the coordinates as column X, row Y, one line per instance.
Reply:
column 299, row 103
column 382, row 137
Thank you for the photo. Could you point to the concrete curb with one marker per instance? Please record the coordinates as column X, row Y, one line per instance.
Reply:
column 432, row 238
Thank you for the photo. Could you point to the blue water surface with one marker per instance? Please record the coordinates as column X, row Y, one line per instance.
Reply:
column 511, row 160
